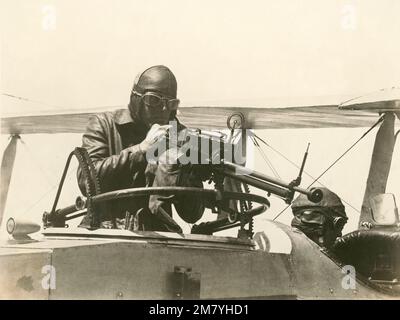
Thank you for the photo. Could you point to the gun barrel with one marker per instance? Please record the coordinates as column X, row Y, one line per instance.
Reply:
column 250, row 180
column 255, row 174
column 267, row 183
column 80, row 204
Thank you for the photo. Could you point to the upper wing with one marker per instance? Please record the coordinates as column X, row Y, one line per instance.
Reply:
column 327, row 116
column 379, row 101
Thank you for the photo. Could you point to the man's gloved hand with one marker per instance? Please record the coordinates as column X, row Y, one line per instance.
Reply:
column 155, row 133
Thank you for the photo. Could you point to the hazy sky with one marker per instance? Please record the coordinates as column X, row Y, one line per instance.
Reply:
column 71, row 54
column 80, row 54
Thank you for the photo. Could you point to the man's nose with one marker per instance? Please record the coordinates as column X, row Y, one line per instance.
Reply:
column 164, row 105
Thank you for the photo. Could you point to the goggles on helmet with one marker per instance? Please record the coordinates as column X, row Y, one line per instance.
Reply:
column 154, row 100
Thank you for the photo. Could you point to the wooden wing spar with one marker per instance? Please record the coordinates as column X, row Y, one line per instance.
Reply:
column 326, row 116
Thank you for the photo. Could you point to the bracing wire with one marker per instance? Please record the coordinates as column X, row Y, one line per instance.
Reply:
column 264, row 156
column 337, row 159
column 29, row 100
column 35, row 160
column 348, row 149
column 306, row 173
column 49, row 190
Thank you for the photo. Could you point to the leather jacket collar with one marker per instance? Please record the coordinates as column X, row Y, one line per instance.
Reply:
column 123, row 116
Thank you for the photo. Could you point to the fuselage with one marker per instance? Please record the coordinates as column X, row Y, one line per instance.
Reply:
column 75, row 263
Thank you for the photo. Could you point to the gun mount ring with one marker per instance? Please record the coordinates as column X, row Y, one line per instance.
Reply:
column 168, row 191
column 213, row 195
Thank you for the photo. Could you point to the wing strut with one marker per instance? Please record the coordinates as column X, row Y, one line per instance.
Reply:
column 7, row 165
column 380, row 164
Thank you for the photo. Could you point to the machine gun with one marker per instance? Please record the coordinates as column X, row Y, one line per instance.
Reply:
column 261, row 181
column 219, row 199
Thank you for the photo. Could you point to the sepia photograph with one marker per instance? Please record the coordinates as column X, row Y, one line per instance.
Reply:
column 200, row 150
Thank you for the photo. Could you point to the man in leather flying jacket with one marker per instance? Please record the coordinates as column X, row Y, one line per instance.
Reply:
column 117, row 143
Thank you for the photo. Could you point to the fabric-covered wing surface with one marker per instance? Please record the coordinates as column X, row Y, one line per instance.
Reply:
column 206, row 117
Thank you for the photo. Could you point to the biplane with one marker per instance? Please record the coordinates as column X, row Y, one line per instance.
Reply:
column 61, row 261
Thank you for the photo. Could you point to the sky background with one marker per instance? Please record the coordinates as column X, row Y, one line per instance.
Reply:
column 76, row 55
column 82, row 54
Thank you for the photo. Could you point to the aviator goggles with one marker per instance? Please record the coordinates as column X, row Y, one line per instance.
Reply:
column 154, row 100
column 315, row 216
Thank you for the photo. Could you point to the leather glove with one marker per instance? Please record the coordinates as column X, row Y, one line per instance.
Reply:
column 156, row 133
